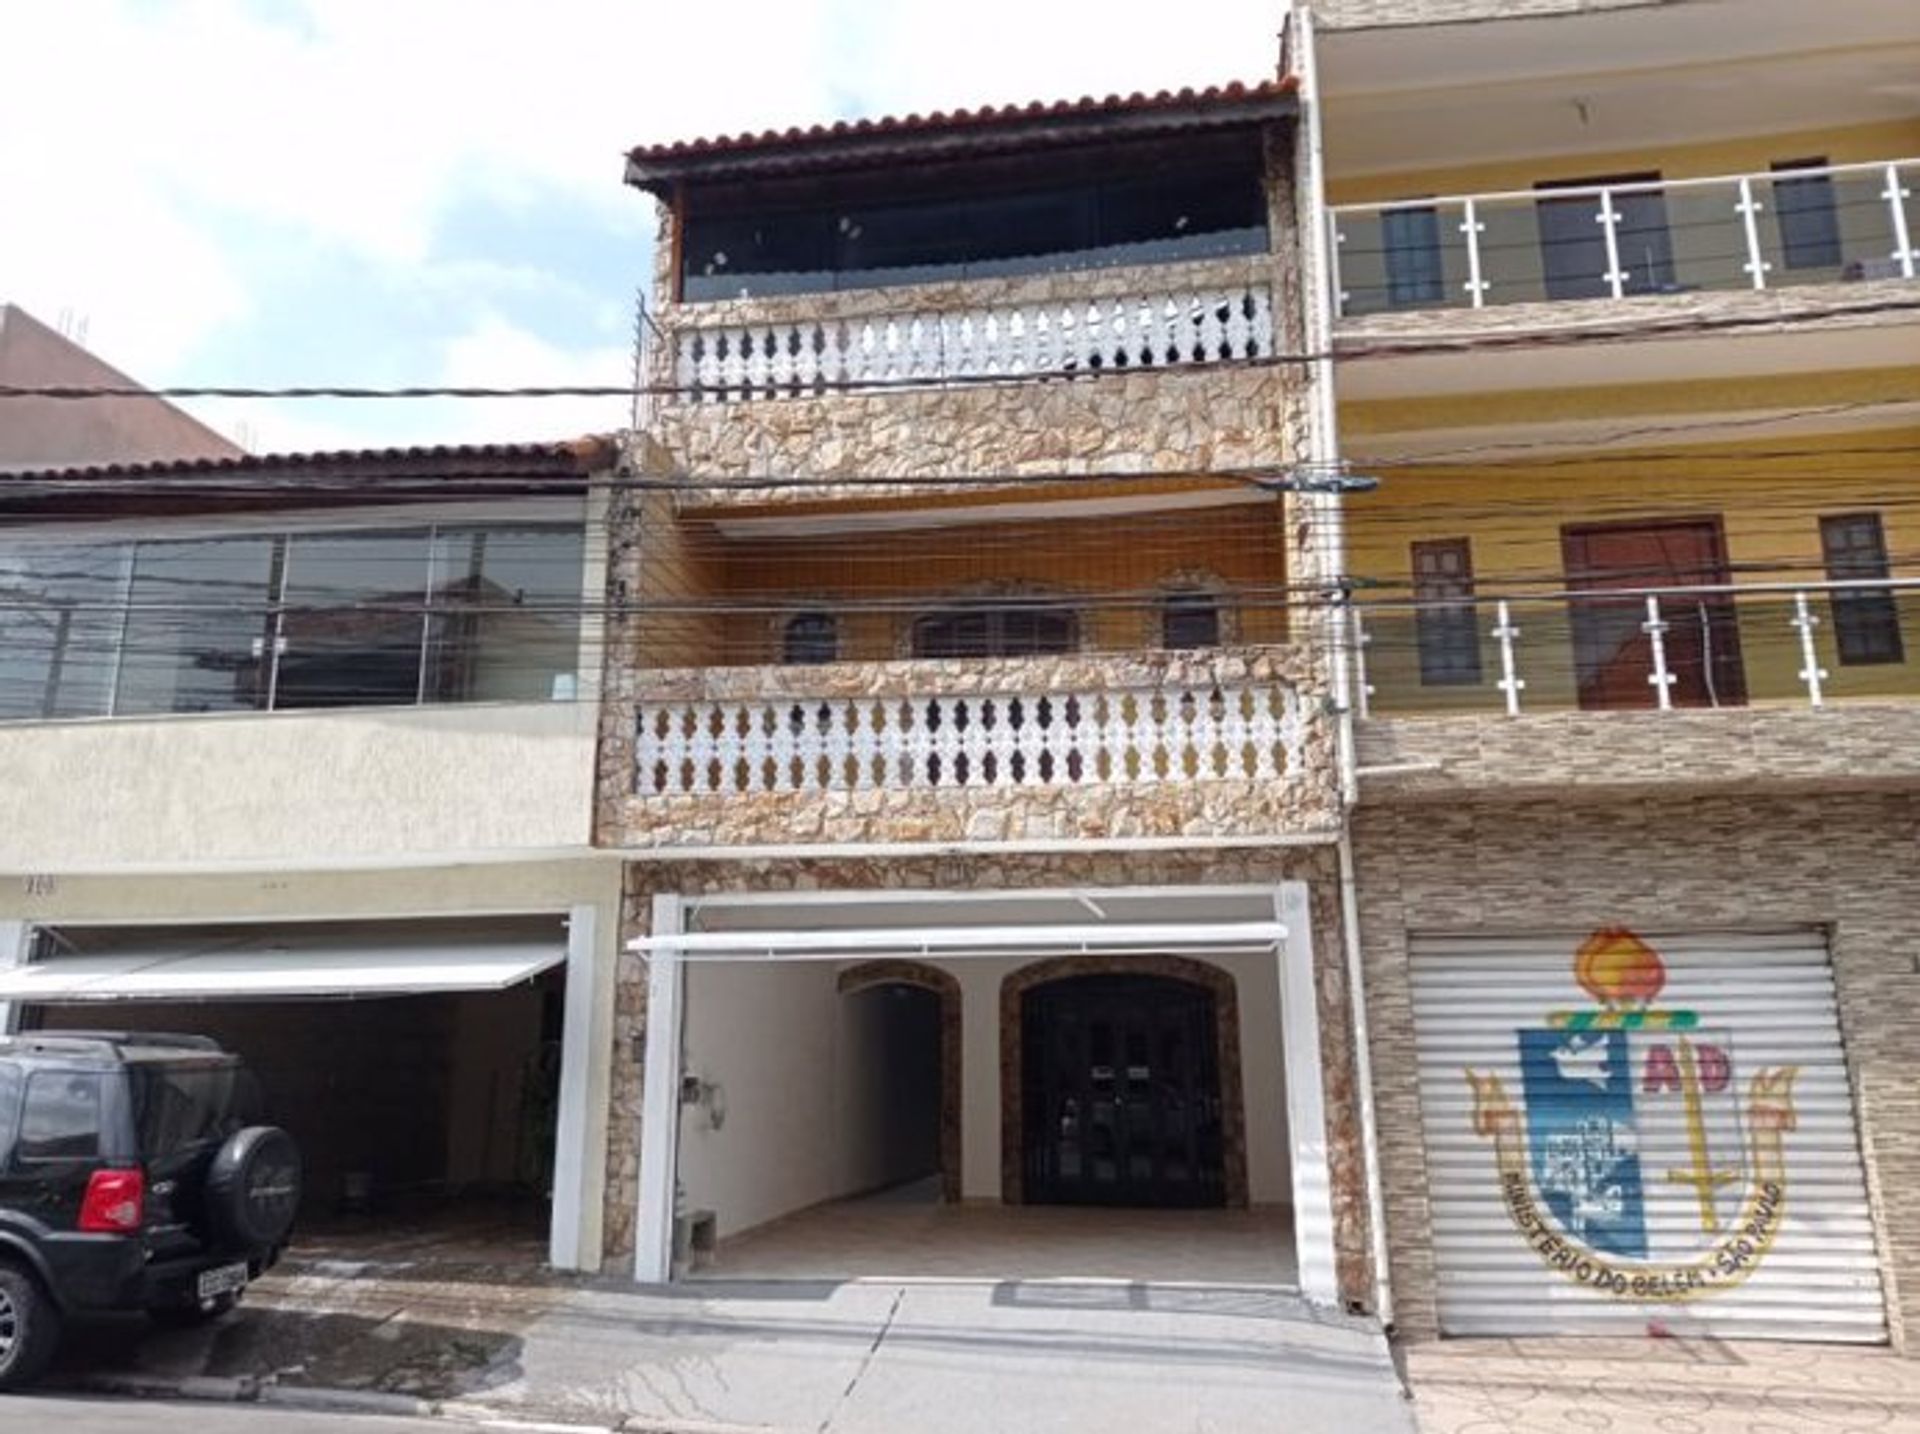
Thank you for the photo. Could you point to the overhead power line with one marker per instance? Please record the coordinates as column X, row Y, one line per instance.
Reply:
column 1358, row 348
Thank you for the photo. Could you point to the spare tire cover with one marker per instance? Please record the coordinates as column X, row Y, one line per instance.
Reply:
column 253, row 1187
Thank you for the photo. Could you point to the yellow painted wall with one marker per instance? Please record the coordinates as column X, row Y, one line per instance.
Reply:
column 1769, row 494
column 923, row 570
column 1858, row 144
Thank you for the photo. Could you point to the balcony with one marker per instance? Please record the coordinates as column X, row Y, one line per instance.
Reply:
column 1139, row 746
column 1751, row 685
column 1842, row 224
column 913, row 336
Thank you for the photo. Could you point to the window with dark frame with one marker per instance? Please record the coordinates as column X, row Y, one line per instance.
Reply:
column 1808, row 217
column 996, row 632
column 1412, row 241
column 810, row 639
column 1189, row 620
column 1125, row 204
column 1446, row 629
column 1866, row 623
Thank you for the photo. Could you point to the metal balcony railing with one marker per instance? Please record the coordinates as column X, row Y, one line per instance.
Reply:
column 1650, row 648
column 1785, row 227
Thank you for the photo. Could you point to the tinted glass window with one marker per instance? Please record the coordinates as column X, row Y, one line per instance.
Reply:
column 1866, row 621
column 350, row 633
column 60, row 627
column 810, row 639
column 61, row 1117
column 1190, row 620
column 1178, row 212
column 506, row 614
column 198, row 634
column 175, row 1108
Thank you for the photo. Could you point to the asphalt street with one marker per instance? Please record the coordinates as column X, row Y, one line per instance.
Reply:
column 22, row 1415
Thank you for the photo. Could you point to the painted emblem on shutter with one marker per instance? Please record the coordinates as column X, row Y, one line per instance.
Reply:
column 1622, row 1102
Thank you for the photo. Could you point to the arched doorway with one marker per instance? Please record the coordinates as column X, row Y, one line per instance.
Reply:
column 1121, row 1084
column 917, row 979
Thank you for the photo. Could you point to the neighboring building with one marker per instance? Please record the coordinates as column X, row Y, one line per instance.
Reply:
column 973, row 764
column 299, row 753
column 1626, row 324
column 60, row 432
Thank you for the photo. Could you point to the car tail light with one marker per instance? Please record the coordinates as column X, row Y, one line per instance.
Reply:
column 115, row 1203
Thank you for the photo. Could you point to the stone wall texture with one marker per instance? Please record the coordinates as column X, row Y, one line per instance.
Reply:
column 1304, row 799
column 1537, row 755
column 1867, row 304
column 1378, row 14
column 1315, row 866
column 1842, row 861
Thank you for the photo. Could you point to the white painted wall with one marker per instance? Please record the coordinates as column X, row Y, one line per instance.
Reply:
column 795, row 1062
column 764, row 1036
column 296, row 787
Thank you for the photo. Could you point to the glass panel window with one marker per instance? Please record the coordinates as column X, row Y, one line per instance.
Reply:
column 810, row 639
column 996, row 632
column 1445, row 627
column 60, row 627
column 353, row 613
column 1808, row 217
column 1412, row 240
column 199, row 626
column 1145, row 211
column 1866, row 623
column 505, row 606
column 1189, row 620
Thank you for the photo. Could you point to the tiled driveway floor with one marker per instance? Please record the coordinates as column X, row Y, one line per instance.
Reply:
column 894, row 1239
column 1666, row 1386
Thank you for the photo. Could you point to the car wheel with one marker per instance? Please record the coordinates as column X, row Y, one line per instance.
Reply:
column 29, row 1328
column 191, row 1316
column 253, row 1188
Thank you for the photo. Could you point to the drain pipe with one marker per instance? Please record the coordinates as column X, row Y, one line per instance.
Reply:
column 1324, row 451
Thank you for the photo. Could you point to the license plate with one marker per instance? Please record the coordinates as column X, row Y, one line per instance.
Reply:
column 222, row 1280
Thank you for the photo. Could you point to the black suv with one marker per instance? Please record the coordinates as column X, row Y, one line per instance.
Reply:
column 134, row 1175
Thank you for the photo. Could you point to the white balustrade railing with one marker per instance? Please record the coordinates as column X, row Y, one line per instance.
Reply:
column 1657, row 648
column 1249, row 731
column 1835, row 223
column 814, row 355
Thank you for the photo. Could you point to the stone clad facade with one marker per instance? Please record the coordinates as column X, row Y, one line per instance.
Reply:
column 1218, row 815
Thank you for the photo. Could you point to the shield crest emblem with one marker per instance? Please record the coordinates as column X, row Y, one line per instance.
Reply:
column 1625, row 1100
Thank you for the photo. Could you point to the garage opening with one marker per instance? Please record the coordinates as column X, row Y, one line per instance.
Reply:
column 416, row 1064
column 864, row 1094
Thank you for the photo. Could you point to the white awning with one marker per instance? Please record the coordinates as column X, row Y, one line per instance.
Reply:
column 286, row 965
column 957, row 941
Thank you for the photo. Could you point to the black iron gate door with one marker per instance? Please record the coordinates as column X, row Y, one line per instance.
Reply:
column 1120, row 1093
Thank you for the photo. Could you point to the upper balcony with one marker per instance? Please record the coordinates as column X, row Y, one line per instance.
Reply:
column 1756, row 686
column 1099, row 285
column 1053, row 663
column 1592, row 247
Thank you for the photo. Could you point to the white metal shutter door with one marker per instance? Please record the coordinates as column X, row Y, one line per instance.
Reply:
column 1671, row 1145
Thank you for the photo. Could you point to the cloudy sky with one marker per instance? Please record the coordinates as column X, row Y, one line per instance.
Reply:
column 392, row 192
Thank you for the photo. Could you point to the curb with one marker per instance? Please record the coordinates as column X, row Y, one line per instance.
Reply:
column 247, row 1389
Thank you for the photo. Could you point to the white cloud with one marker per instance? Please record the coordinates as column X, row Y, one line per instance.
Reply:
column 140, row 139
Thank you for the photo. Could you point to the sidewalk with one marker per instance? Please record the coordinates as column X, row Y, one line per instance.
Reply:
column 1665, row 1386
column 862, row 1357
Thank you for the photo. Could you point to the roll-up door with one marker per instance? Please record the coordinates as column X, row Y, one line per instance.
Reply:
column 1631, row 1131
